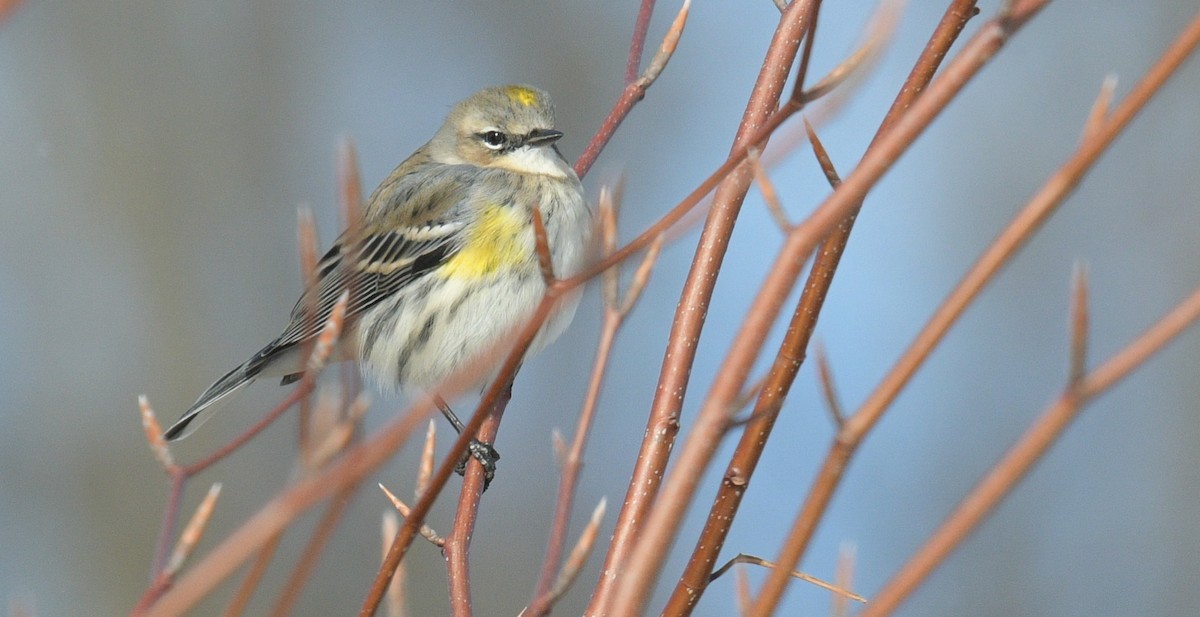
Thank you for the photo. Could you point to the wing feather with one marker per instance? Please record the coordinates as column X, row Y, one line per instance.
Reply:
column 402, row 244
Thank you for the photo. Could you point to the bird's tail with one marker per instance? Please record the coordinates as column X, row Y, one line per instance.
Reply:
column 208, row 404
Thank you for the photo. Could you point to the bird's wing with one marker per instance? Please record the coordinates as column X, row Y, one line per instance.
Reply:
column 420, row 231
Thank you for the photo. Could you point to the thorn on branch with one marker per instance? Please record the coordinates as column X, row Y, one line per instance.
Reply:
column 666, row 49
column 425, row 470
column 560, row 447
column 426, row 531
column 1100, row 109
column 743, row 400
column 827, row 388
column 193, row 531
column 329, row 336
column 579, row 554
column 154, row 436
column 767, row 188
column 822, row 155
column 1080, row 317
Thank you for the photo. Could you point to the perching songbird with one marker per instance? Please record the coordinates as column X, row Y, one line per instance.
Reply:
column 445, row 262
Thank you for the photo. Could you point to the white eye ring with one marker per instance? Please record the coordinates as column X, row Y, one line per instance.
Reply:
column 493, row 139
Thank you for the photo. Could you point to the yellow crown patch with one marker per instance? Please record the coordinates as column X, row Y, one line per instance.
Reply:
column 524, row 96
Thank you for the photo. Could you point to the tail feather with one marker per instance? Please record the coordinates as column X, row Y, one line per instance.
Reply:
column 270, row 359
column 207, row 405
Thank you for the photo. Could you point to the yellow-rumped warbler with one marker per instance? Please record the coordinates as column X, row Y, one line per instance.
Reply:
column 444, row 264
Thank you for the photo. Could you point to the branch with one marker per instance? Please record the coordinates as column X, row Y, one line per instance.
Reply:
column 1028, row 450
column 458, row 542
column 663, row 422
column 615, row 311
column 635, row 89
column 1036, row 211
column 787, row 363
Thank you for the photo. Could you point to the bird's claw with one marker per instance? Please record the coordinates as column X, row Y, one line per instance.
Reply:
column 486, row 455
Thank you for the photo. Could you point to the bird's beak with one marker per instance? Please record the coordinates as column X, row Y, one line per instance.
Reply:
column 542, row 137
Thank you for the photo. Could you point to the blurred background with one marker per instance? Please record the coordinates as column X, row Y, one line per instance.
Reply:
column 153, row 154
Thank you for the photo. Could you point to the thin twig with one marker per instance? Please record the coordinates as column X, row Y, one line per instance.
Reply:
column 882, row 26
column 183, row 549
column 635, row 89
column 810, row 39
column 571, row 460
column 1029, row 449
column 396, row 594
column 458, row 542
column 666, row 49
column 274, row 516
column 578, row 556
column 638, row 43
column 193, row 531
column 475, row 481
column 759, row 561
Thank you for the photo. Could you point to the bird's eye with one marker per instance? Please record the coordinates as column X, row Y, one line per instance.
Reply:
column 493, row 139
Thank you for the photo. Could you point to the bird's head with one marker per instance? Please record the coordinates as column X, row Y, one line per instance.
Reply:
column 508, row 127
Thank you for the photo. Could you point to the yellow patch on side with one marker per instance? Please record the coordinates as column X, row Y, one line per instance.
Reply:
column 494, row 243
column 524, row 96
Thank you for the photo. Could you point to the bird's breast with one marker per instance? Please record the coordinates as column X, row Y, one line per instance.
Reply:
column 497, row 241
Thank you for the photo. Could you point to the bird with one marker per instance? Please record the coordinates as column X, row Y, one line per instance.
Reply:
column 443, row 264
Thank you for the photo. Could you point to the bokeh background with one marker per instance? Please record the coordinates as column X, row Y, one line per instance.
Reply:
column 153, row 154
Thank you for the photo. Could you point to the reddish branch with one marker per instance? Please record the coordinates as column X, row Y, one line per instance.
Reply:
column 615, row 311
column 1038, row 209
column 663, row 423
column 1080, row 389
column 663, row 521
column 792, row 351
